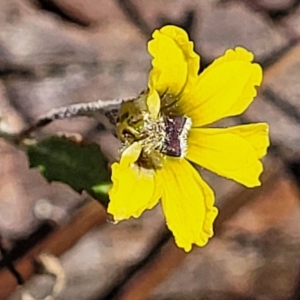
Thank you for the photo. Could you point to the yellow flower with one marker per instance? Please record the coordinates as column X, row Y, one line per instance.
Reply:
column 162, row 133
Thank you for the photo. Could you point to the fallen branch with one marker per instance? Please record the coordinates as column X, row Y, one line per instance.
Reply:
column 91, row 215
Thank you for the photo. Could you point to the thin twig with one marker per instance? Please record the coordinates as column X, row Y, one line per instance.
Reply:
column 91, row 215
column 99, row 110
column 104, row 111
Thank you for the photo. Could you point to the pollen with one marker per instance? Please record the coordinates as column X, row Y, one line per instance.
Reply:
column 155, row 134
column 159, row 137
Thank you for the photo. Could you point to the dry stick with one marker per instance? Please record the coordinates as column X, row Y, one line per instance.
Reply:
column 104, row 111
column 273, row 172
column 89, row 216
column 99, row 109
column 143, row 282
column 140, row 286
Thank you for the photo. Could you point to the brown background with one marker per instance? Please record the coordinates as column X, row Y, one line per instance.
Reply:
column 57, row 52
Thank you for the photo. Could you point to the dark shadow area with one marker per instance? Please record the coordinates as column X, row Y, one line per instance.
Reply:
column 50, row 6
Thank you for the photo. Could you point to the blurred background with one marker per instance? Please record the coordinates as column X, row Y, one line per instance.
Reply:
column 58, row 52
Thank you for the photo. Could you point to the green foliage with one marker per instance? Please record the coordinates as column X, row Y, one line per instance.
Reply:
column 81, row 166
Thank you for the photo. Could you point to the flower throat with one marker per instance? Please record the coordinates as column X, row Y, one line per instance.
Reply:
column 163, row 136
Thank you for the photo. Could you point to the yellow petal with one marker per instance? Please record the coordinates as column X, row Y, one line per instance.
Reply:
column 174, row 62
column 131, row 154
column 134, row 189
column 256, row 134
column 226, row 88
column 153, row 103
column 226, row 153
column 187, row 203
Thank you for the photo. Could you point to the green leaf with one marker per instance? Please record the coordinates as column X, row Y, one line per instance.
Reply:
column 81, row 166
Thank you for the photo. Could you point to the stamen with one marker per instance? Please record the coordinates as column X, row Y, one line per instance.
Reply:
column 184, row 135
column 177, row 128
column 159, row 137
column 154, row 132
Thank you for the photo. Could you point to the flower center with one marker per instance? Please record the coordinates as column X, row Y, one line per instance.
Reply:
column 165, row 135
column 176, row 128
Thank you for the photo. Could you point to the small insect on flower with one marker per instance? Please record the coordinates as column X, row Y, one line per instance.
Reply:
column 162, row 132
